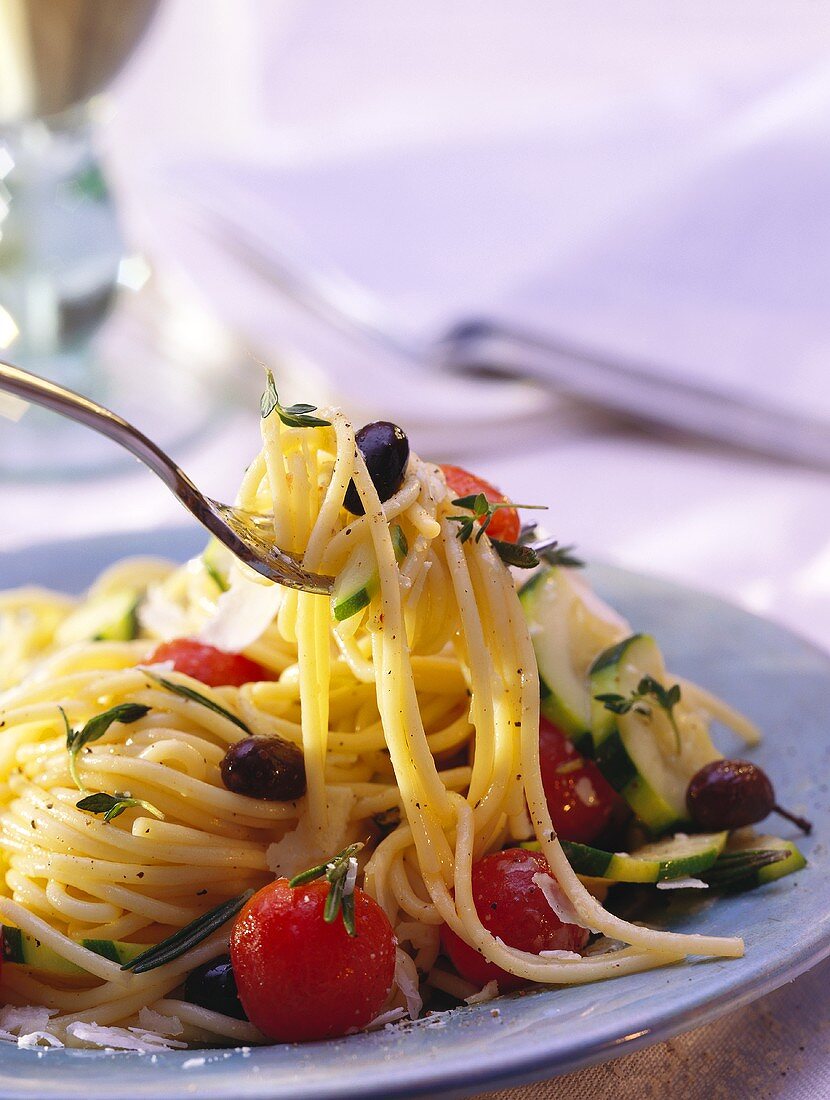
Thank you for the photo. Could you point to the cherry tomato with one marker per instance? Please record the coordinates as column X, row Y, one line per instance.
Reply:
column 580, row 800
column 211, row 666
column 505, row 522
column 300, row 978
column 513, row 907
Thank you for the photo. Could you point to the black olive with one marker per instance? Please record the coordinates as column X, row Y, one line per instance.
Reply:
column 213, row 985
column 728, row 794
column 385, row 448
column 264, row 767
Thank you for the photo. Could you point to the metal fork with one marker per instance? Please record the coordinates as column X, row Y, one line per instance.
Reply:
column 245, row 535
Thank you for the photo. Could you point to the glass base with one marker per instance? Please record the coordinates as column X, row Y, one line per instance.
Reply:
column 158, row 359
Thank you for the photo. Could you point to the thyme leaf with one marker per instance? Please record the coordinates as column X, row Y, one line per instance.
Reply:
column 94, row 729
column 293, row 416
column 112, row 806
column 648, row 688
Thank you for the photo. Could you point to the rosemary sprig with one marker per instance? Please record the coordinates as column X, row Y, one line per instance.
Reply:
column 482, row 511
column 112, row 806
column 665, row 698
column 197, row 697
column 733, row 868
column 294, row 416
column 187, row 937
column 340, row 874
column 94, row 729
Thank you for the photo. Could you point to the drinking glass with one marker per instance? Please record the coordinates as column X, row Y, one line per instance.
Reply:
column 77, row 305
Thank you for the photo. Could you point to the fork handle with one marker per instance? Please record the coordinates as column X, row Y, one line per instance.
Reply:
column 73, row 405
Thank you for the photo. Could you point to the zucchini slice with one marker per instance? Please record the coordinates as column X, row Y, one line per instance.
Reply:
column 569, row 627
column 358, row 581
column 112, row 618
column 217, row 559
column 640, row 754
column 773, row 871
column 678, row 857
column 21, row 947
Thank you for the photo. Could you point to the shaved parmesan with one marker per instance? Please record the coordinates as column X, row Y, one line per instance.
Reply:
column 558, row 901
column 119, row 1038
column 161, row 616
column 167, row 1026
column 683, row 884
column 242, row 614
column 35, row 1038
column 488, row 993
column 304, row 846
column 406, row 979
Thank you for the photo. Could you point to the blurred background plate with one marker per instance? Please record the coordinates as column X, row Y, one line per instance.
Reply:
column 781, row 682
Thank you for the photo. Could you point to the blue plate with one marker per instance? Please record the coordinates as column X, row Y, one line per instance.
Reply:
column 778, row 679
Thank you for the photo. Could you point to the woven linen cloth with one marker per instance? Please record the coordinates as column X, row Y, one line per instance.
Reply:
column 777, row 1047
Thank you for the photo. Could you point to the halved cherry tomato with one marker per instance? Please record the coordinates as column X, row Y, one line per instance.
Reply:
column 580, row 800
column 300, row 978
column 211, row 666
column 505, row 522
column 512, row 907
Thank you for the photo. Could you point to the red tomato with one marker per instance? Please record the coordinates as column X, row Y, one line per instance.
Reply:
column 580, row 800
column 299, row 978
column 211, row 666
column 505, row 522
column 513, row 907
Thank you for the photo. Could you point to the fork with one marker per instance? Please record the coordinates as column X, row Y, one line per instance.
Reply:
column 246, row 535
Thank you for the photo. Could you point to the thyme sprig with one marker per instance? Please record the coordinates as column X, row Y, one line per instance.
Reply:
column 197, row 697
column 482, row 511
column 293, row 416
column 187, row 937
column 340, row 874
column 94, row 729
column 112, row 806
column 648, row 688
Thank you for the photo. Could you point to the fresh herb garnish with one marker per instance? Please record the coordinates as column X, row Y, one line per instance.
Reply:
column 483, row 511
column 340, row 874
column 734, row 868
column 294, row 416
column 512, row 553
column 114, row 805
column 94, row 729
column 197, row 697
column 549, row 550
column 561, row 555
column 187, row 937
column 648, row 687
